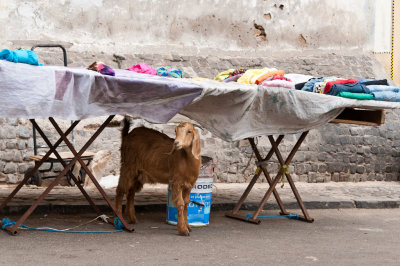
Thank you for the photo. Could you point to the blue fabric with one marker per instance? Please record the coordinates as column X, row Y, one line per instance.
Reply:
column 364, row 80
column 376, row 88
column 353, row 87
column 389, row 96
column 309, row 86
column 20, row 56
column 170, row 72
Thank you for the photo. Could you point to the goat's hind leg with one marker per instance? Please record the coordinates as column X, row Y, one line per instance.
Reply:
column 130, row 201
column 118, row 199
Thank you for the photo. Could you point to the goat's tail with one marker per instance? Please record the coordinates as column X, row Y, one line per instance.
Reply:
column 125, row 129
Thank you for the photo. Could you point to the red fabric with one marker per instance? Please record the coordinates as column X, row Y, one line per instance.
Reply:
column 280, row 78
column 329, row 84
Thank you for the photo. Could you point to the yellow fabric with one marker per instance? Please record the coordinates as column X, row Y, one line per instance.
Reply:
column 267, row 74
column 224, row 75
column 249, row 74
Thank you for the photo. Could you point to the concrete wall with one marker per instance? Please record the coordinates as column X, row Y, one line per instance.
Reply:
column 196, row 26
column 321, row 38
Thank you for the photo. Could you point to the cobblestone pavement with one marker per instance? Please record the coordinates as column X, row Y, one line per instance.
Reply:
column 370, row 194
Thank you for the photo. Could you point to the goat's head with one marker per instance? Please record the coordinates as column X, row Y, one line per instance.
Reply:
column 187, row 138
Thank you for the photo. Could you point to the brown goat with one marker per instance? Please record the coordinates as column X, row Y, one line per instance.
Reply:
column 148, row 156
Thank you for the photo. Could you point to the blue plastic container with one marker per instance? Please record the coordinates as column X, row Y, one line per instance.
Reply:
column 199, row 206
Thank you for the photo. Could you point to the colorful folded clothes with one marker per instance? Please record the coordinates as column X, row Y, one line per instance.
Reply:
column 352, row 87
column 358, row 96
column 389, row 96
column 224, row 75
column 250, row 74
column 143, row 68
column 169, row 71
column 20, row 56
column 102, row 68
column 375, row 88
column 342, row 81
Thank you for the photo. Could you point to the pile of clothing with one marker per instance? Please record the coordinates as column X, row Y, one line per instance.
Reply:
column 269, row 77
column 360, row 89
column 143, row 68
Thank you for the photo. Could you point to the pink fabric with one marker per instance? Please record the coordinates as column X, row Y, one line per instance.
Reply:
column 278, row 83
column 143, row 68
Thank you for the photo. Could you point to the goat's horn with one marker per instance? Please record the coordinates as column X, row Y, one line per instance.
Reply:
column 198, row 126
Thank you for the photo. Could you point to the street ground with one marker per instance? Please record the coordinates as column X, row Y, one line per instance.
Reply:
column 337, row 237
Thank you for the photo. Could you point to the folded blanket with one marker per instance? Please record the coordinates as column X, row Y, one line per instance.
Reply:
column 353, row 87
column 389, row 96
column 358, row 96
column 20, row 56
column 376, row 88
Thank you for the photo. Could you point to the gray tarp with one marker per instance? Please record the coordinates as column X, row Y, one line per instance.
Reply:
column 231, row 111
column 234, row 111
column 74, row 93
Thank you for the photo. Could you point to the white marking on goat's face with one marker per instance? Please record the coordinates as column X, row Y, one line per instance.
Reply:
column 184, row 135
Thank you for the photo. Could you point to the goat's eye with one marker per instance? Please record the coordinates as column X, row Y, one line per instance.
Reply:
column 189, row 131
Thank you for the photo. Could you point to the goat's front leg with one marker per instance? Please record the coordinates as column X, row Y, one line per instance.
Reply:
column 186, row 199
column 177, row 200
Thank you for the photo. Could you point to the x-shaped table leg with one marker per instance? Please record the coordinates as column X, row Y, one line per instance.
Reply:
column 272, row 183
column 77, row 157
column 234, row 213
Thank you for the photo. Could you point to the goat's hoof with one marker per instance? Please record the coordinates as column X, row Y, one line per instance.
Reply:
column 132, row 221
column 184, row 233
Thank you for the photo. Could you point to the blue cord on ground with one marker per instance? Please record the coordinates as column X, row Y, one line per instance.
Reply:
column 290, row 216
column 117, row 223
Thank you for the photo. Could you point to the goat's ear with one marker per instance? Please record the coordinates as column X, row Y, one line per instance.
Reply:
column 196, row 147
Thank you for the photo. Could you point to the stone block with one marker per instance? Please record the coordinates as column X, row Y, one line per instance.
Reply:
column 10, row 168
column 360, row 169
column 12, row 179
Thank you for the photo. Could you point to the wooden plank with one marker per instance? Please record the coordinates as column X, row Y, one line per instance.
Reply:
column 64, row 155
column 364, row 117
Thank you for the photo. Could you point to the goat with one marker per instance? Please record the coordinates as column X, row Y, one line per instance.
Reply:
column 148, row 156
